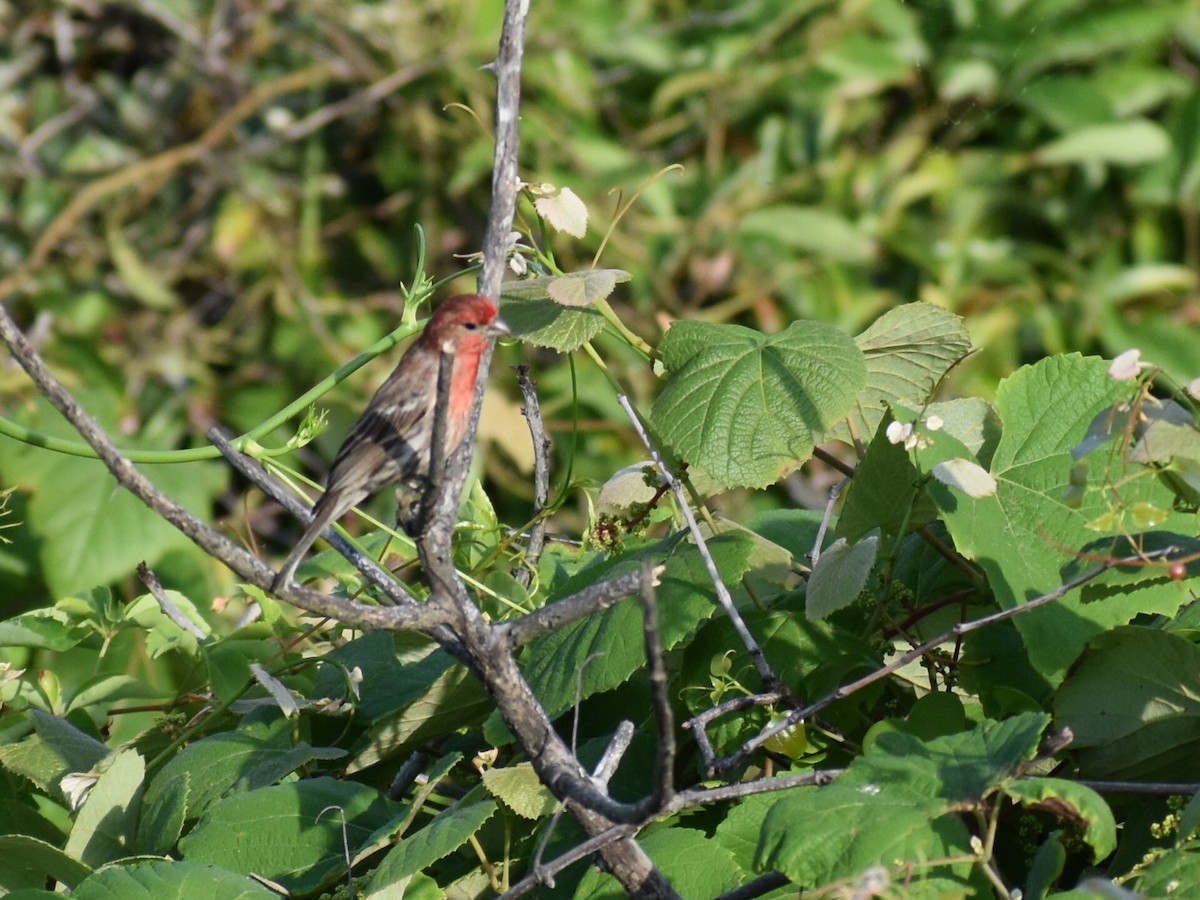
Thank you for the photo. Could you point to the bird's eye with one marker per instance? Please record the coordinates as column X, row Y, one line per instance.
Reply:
column 470, row 326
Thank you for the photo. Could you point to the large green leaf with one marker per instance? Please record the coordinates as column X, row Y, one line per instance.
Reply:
column 895, row 803
column 603, row 651
column 697, row 866
column 57, row 749
column 1024, row 534
column 29, row 862
column 453, row 700
column 91, row 531
column 291, row 833
column 105, row 824
column 1077, row 801
column 448, row 831
column 160, row 879
column 908, row 350
column 746, row 407
column 1133, row 706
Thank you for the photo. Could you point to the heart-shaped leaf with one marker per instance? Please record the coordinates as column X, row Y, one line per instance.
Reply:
column 745, row 406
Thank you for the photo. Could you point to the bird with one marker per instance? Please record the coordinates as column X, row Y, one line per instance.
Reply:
column 390, row 442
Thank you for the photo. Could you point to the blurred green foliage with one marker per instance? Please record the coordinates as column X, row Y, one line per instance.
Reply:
column 204, row 210
column 207, row 208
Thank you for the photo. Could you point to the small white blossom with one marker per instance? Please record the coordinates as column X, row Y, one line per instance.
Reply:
column 898, row 432
column 1127, row 366
column 934, row 423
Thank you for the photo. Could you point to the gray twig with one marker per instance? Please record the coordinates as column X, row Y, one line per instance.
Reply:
column 592, row 599
column 769, row 678
column 698, row 724
column 604, row 770
column 247, row 566
column 664, row 791
column 393, row 590
column 545, row 872
column 834, row 493
column 168, row 606
column 541, row 475
column 958, row 631
column 436, row 482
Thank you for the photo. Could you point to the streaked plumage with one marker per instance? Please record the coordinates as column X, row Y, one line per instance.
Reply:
column 389, row 444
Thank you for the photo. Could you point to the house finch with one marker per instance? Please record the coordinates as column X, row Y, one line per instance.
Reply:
column 389, row 444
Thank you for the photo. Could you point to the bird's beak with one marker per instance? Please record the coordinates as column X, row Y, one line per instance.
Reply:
column 499, row 327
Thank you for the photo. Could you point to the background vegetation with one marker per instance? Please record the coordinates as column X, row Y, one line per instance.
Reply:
column 205, row 209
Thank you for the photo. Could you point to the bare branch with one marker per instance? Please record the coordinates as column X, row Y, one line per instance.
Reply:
column 958, row 631
column 705, row 796
column 763, row 884
column 167, row 605
column 604, row 770
column 699, row 722
column 613, row 753
column 592, row 599
column 544, row 873
column 768, row 677
column 834, row 493
column 393, row 590
column 664, row 791
column 247, row 567
column 1167, row 788
column 541, row 474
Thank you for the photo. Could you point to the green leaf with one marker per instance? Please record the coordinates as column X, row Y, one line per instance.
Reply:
column 158, row 879
column 907, row 350
column 520, row 790
column 144, row 281
column 57, row 749
column 29, row 862
column 91, row 531
column 1168, row 874
column 839, row 576
column 448, row 831
column 1047, row 409
column 397, row 669
column 290, row 833
column 160, row 823
column 104, row 826
column 885, row 492
column 697, row 867
column 1130, row 143
column 454, row 700
column 43, row 629
column 746, row 407
column 1189, row 821
column 819, row 835
column 1067, row 799
column 1133, row 705
column 549, row 324
column 220, row 764
column 895, row 803
column 582, row 289
column 819, row 231
column 558, row 665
